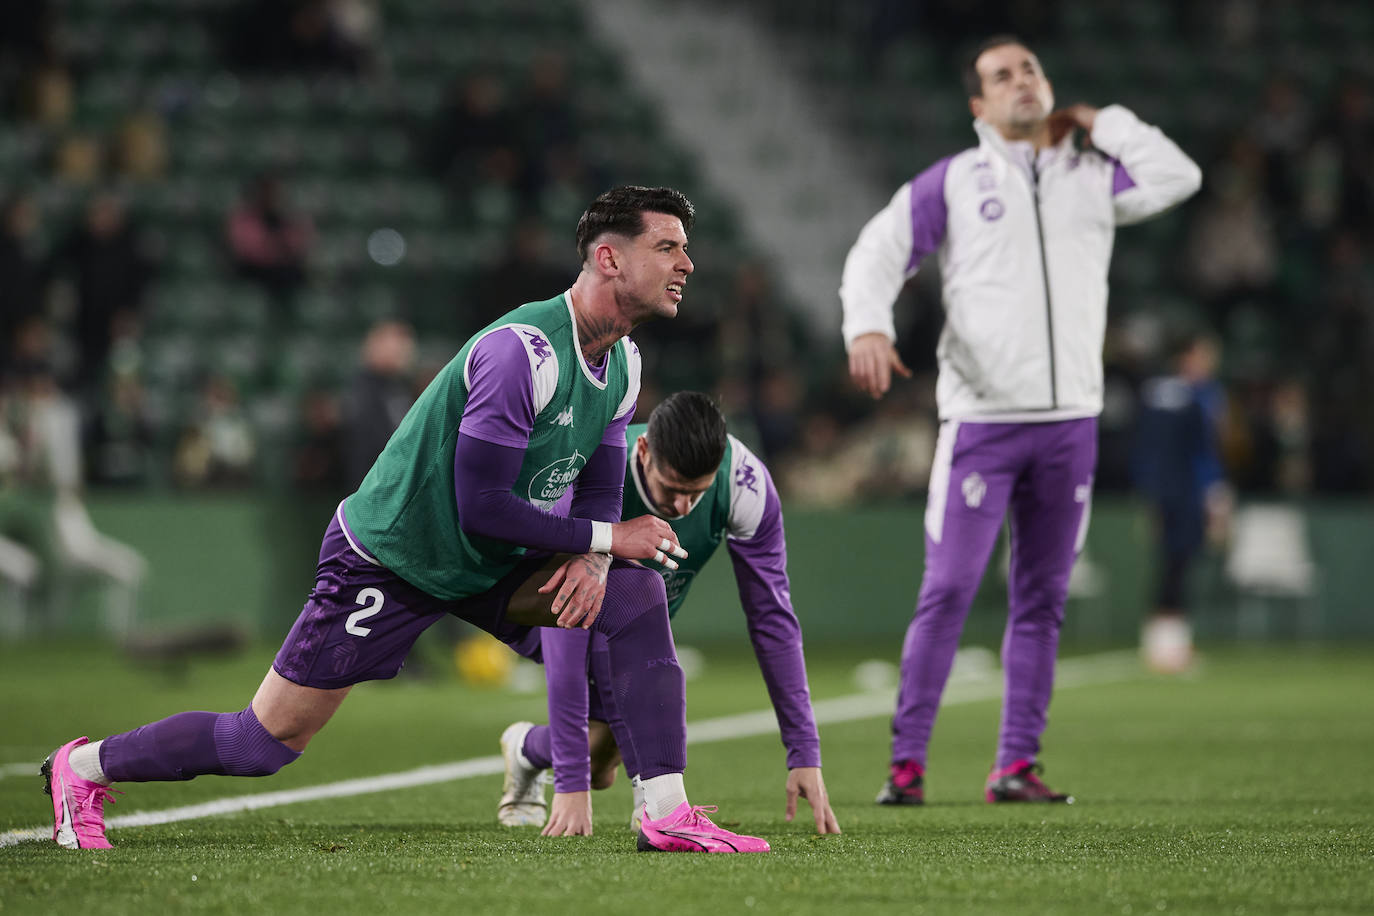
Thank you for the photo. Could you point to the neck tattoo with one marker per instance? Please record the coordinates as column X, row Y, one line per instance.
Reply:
column 597, row 334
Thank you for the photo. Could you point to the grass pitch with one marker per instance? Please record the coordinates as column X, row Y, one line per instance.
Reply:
column 1242, row 790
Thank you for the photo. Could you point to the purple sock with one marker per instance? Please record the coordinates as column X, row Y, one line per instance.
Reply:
column 649, row 687
column 538, row 747
column 192, row 744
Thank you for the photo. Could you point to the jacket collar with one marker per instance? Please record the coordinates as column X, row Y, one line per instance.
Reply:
column 991, row 140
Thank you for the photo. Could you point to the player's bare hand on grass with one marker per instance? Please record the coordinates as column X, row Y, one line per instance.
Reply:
column 872, row 360
column 570, row 815
column 1066, row 119
column 581, row 586
column 807, row 783
column 647, row 537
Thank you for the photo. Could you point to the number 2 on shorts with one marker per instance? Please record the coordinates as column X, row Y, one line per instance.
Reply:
column 372, row 600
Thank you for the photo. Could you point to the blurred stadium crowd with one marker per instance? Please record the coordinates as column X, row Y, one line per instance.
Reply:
column 237, row 238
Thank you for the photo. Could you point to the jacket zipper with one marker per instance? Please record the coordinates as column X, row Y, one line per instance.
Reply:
column 1045, row 275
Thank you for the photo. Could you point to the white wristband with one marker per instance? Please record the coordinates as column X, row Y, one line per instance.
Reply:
column 601, row 537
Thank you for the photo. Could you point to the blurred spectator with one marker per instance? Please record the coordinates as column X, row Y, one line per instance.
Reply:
column 217, row 447
column 567, row 178
column 475, row 128
column 1132, row 343
column 753, row 336
column 21, row 273
column 78, row 159
column 303, row 35
column 1177, row 469
column 1270, row 443
column 546, row 119
column 268, row 242
column 1343, row 151
column 1281, row 129
column 378, row 397
column 46, row 86
column 319, row 456
column 120, row 437
column 111, row 264
column 1233, row 249
column 140, row 147
column 1293, row 436
column 45, row 425
column 885, row 458
column 547, row 112
column 777, row 409
column 525, row 273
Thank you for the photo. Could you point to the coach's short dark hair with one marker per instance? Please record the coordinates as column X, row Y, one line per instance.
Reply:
column 687, row 433
column 621, row 210
column 973, row 83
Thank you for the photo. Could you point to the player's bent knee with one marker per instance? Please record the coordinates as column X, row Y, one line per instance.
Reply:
column 246, row 748
column 643, row 583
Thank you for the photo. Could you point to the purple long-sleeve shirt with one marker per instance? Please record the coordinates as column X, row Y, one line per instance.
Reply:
column 758, row 551
column 497, row 420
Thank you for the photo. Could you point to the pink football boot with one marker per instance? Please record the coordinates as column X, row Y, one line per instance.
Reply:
column 78, row 805
column 688, row 829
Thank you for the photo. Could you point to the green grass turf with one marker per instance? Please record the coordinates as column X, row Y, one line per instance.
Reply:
column 1243, row 790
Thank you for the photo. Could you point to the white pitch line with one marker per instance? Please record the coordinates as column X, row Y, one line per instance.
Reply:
column 1072, row 672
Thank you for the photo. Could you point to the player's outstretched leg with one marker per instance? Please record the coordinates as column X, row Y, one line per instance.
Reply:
column 522, row 796
column 651, row 695
column 180, row 747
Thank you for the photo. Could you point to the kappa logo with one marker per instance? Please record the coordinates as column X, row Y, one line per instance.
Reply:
column 564, row 418
column 974, row 489
column 1082, row 492
column 539, row 345
column 745, row 477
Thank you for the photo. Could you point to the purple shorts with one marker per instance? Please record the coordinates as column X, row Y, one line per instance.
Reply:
column 360, row 619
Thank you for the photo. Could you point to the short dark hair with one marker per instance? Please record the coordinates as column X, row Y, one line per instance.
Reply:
column 687, row 433
column 621, row 210
column 973, row 82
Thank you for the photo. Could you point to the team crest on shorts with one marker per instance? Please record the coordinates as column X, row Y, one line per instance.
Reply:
column 550, row 482
column 974, row 489
column 344, row 654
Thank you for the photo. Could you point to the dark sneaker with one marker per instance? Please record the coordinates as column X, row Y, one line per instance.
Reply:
column 904, row 785
column 1019, row 783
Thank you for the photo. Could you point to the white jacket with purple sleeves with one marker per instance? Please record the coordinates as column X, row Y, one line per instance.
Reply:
column 1024, row 242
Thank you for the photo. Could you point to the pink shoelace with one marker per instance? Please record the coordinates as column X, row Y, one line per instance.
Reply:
column 92, row 821
column 697, row 816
